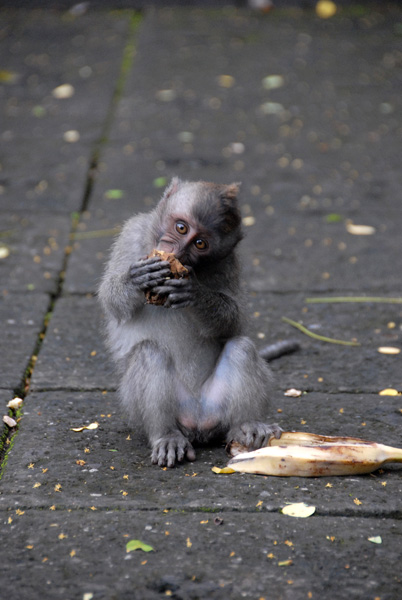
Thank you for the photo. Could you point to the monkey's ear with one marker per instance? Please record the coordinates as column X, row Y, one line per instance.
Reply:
column 231, row 191
column 172, row 187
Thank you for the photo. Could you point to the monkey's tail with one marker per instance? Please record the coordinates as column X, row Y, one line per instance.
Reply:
column 279, row 349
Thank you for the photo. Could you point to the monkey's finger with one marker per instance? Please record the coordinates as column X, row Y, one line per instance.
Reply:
column 140, row 268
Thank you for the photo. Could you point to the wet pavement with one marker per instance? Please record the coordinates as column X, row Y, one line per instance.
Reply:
column 307, row 113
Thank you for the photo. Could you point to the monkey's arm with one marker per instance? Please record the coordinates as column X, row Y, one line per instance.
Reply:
column 217, row 311
column 128, row 274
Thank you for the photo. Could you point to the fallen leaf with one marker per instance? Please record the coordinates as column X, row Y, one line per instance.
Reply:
column 160, row 182
column 272, row 108
column 273, row 81
column 388, row 350
column 90, row 426
column 71, row 136
column 359, row 229
column 166, row 95
column 325, row 9
column 389, row 392
column 114, row 194
column 357, row 501
column 299, row 509
column 15, row 403
column 285, row 563
column 133, row 545
column 293, row 393
column 66, row 90
column 8, row 76
column 333, row 218
column 375, row 539
column 226, row 81
column 9, row 421
column 248, row 221
column 223, row 470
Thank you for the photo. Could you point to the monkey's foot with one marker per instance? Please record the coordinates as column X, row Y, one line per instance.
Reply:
column 171, row 448
column 254, row 434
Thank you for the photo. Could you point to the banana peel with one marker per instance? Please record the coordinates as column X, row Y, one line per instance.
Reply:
column 301, row 454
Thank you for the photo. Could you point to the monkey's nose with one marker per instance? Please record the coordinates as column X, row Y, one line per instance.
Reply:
column 166, row 247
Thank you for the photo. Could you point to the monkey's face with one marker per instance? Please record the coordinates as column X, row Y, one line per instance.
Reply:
column 188, row 240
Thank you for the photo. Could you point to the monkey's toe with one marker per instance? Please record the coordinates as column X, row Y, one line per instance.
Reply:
column 172, row 448
column 254, row 434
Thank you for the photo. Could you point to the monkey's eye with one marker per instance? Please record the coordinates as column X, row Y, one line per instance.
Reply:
column 200, row 244
column 181, row 228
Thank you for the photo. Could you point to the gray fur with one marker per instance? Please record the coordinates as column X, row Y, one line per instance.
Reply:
column 187, row 371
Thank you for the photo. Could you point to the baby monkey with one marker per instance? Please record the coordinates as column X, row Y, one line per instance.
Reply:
column 188, row 373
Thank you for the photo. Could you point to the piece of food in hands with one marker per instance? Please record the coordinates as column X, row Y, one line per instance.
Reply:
column 178, row 271
column 309, row 455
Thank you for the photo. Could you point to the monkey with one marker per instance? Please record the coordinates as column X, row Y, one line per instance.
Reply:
column 188, row 373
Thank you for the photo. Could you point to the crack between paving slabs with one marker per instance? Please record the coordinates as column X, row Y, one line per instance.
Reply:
column 7, row 435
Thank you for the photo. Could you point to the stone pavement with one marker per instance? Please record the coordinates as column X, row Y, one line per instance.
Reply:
column 307, row 114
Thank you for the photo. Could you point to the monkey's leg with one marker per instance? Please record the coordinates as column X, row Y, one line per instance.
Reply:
column 237, row 394
column 150, row 389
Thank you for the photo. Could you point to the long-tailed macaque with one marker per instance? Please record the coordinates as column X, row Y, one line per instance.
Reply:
column 188, row 373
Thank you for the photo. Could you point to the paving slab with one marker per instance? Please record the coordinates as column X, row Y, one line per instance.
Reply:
column 36, row 251
column 21, row 319
column 62, row 554
column 109, row 467
column 73, row 355
column 41, row 51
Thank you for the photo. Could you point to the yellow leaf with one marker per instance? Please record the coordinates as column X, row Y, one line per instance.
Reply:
column 285, row 563
column 325, row 9
column 226, row 81
column 389, row 392
column 8, row 76
column 299, row 509
column 223, row 470
column 90, row 426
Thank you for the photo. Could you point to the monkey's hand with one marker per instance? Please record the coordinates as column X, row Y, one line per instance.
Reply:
column 179, row 292
column 171, row 448
column 254, row 434
column 149, row 272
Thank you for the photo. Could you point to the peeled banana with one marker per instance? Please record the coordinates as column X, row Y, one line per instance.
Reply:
column 309, row 455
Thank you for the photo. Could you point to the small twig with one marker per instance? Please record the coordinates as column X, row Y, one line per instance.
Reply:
column 354, row 299
column 89, row 235
column 7, row 233
column 316, row 336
